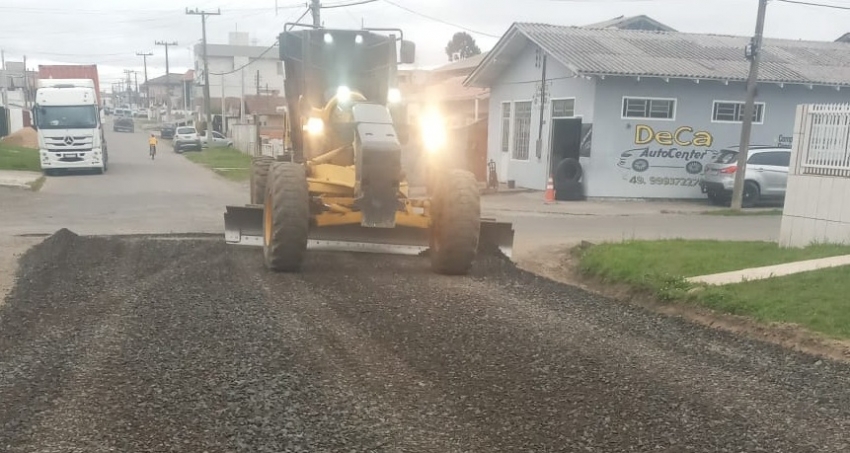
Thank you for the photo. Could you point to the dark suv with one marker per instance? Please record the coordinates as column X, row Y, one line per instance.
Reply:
column 123, row 123
column 167, row 130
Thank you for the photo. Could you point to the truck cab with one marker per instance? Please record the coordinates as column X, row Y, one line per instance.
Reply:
column 70, row 129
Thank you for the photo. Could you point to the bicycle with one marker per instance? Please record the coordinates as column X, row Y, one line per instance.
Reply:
column 152, row 151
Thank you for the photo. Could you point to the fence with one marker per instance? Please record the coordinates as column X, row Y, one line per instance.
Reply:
column 823, row 140
column 816, row 206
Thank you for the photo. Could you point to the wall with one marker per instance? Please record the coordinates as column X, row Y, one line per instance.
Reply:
column 817, row 208
column 271, row 74
column 609, row 171
column 519, row 83
column 244, row 137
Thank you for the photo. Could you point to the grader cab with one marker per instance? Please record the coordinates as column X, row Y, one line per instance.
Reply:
column 339, row 184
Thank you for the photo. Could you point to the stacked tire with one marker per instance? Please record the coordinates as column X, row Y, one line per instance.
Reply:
column 567, row 179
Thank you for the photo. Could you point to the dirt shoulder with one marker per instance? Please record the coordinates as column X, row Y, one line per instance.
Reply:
column 559, row 264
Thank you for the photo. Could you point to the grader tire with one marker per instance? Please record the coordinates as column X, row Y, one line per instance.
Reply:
column 286, row 217
column 259, row 176
column 456, row 223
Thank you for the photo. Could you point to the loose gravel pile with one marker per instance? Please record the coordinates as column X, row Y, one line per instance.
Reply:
column 147, row 344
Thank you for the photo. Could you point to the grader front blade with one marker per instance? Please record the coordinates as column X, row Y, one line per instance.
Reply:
column 243, row 225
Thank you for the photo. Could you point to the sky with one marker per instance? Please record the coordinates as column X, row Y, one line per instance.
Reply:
column 111, row 32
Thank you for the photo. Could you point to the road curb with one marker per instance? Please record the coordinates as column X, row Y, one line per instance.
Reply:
column 26, row 180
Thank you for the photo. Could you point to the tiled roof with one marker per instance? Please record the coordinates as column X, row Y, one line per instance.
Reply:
column 670, row 54
column 466, row 63
column 641, row 22
column 175, row 79
column 450, row 89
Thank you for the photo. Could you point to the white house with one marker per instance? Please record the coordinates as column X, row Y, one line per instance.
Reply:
column 641, row 110
column 225, row 58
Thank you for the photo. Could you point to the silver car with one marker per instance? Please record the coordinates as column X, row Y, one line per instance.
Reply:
column 186, row 137
column 766, row 175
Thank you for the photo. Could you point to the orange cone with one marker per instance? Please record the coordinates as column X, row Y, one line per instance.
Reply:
column 550, row 191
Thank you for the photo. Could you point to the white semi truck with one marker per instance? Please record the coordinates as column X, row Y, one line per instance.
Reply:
column 68, row 119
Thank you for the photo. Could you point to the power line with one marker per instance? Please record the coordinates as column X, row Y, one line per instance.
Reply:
column 207, row 111
column 435, row 19
column 819, row 5
column 267, row 49
column 338, row 5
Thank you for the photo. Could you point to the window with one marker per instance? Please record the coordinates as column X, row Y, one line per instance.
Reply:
column 773, row 158
column 563, row 108
column 522, row 129
column 733, row 112
column 658, row 109
column 506, row 126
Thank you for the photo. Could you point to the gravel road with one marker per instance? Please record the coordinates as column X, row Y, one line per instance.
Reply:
column 155, row 344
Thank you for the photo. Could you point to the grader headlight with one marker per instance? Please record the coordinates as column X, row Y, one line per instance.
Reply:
column 433, row 130
column 394, row 96
column 315, row 126
column 343, row 94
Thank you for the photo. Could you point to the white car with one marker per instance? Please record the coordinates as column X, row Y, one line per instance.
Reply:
column 218, row 140
column 186, row 137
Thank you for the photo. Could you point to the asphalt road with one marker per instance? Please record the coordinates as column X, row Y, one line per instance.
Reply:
column 136, row 195
column 178, row 346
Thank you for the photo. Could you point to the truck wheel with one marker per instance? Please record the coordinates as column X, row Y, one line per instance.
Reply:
column 455, row 223
column 259, row 175
column 286, row 217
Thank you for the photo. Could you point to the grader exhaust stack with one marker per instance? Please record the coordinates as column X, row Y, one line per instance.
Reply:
column 339, row 184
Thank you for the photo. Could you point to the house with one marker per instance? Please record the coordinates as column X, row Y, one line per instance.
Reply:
column 640, row 22
column 159, row 87
column 238, row 67
column 642, row 111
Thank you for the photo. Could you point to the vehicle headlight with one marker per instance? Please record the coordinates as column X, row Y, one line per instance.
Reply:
column 315, row 126
column 394, row 96
column 433, row 131
column 343, row 94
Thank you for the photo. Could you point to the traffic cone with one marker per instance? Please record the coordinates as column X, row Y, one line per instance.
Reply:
column 550, row 191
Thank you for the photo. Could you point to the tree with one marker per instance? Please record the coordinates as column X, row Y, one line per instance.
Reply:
column 463, row 45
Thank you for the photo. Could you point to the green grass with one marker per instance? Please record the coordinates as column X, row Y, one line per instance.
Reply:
column 228, row 162
column 18, row 158
column 816, row 300
column 744, row 212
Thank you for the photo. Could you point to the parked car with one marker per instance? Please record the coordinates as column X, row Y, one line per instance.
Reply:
column 167, row 130
column 123, row 124
column 218, row 140
column 186, row 137
column 766, row 175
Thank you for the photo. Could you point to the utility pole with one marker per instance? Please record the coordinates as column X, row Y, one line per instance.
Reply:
column 204, row 14
column 257, row 119
column 315, row 8
column 167, row 78
column 5, row 80
column 129, row 87
column 145, row 56
column 26, row 86
column 753, row 53
column 136, row 82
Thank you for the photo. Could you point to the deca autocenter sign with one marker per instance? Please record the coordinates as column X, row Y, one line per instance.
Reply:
column 667, row 157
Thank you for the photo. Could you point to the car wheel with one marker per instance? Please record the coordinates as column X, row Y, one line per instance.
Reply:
column 751, row 194
column 640, row 165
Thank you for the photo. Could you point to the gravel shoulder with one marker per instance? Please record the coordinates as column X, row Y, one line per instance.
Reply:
column 146, row 344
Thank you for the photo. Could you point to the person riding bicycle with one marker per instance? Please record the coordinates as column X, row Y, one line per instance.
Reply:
column 152, row 143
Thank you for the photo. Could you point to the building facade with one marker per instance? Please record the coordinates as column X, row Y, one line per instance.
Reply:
column 642, row 111
column 263, row 74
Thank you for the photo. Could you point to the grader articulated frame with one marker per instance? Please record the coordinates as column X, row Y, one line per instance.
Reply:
column 339, row 184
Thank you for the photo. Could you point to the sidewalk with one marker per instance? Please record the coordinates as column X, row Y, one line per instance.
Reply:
column 760, row 273
column 533, row 202
column 19, row 179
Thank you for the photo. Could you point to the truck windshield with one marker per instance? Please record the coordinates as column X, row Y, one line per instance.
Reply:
column 67, row 117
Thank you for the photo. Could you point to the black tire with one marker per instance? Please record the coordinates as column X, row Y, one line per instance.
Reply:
column 259, row 175
column 751, row 194
column 455, row 223
column 286, row 217
column 640, row 165
column 568, row 170
column 569, row 191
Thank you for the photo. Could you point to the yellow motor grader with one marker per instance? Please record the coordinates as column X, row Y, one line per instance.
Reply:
column 339, row 182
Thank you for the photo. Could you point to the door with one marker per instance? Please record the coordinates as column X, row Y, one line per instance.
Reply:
column 566, row 141
column 775, row 171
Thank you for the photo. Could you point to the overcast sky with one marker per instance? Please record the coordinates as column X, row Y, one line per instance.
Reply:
column 110, row 32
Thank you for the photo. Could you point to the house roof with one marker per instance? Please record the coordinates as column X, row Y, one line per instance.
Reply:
column 592, row 51
column 451, row 89
column 263, row 105
column 175, row 79
column 641, row 22
column 459, row 65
